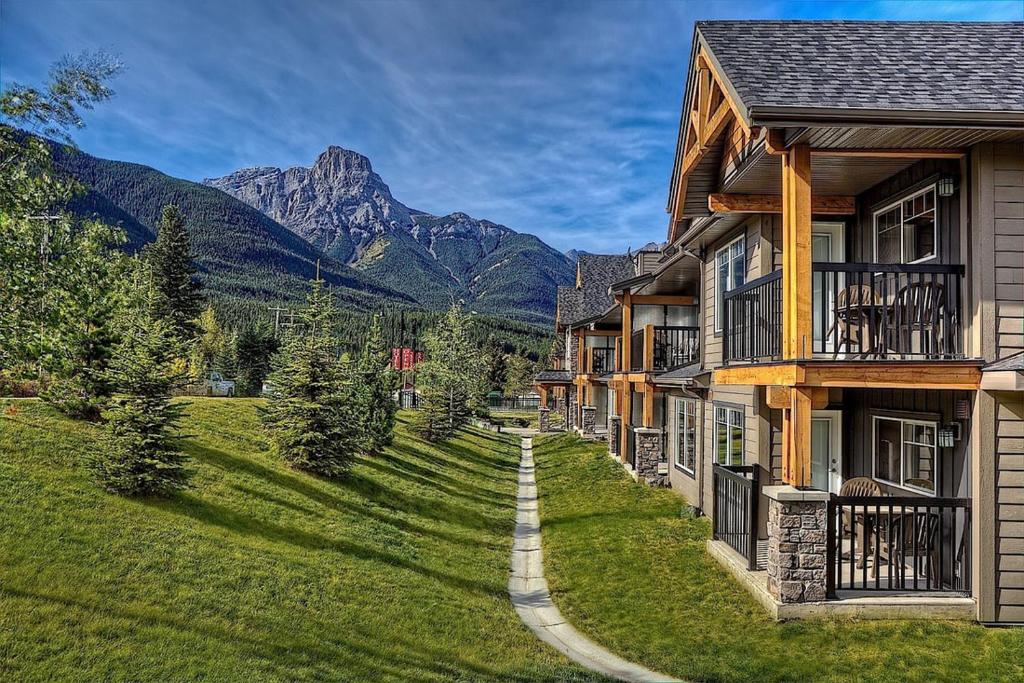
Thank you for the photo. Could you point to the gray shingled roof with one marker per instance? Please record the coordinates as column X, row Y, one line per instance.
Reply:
column 553, row 376
column 930, row 66
column 568, row 305
column 597, row 273
column 1014, row 362
column 682, row 373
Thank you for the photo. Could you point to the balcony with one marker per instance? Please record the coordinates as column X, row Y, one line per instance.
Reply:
column 658, row 348
column 860, row 311
column 602, row 360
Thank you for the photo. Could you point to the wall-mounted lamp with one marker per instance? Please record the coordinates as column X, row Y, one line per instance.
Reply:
column 946, row 186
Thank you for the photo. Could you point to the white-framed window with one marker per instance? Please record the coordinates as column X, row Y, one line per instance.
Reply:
column 730, row 272
column 905, row 453
column 906, row 231
column 686, row 434
column 728, row 435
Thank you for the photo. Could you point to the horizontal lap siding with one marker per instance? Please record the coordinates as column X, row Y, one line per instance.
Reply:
column 1010, row 511
column 1008, row 217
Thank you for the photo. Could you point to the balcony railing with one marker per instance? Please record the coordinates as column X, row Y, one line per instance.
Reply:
column 658, row 348
column 904, row 543
column 860, row 311
column 675, row 346
column 602, row 360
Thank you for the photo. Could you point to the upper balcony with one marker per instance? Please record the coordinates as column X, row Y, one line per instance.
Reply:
column 658, row 348
column 860, row 311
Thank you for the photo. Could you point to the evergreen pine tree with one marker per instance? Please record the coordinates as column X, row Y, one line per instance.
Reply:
column 255, row 345
column 520, row 375
column 141, row 456
column 211, row 344
column 179, row 297
column 451, row 380
column 377, row 382
column 493, row 356
column 312, row 415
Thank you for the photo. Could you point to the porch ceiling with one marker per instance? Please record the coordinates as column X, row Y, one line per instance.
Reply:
column 829, row 175
column 681, row 275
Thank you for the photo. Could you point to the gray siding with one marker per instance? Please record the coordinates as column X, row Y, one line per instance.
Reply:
column 1010, row 511
column 1008, row 218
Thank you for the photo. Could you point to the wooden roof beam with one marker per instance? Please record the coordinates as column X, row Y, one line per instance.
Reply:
column 838, row 205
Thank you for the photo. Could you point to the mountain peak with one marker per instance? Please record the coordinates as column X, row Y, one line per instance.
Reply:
column 338, row 162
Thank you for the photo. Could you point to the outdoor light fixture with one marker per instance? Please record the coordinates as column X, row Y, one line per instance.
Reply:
column 946, row 437
column 945, row 186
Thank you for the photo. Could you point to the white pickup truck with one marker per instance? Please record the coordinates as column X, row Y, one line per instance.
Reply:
column 216, row 385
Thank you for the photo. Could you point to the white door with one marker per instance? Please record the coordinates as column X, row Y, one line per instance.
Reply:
column 828, row 244
column 826, row 450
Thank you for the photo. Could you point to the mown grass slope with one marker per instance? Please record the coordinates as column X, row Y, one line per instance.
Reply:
column 630, row 570
column 259, row 572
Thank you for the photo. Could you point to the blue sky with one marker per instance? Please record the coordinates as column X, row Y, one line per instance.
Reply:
column 552, row 118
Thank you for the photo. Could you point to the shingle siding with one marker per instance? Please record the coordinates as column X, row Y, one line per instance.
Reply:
column 1010, row 501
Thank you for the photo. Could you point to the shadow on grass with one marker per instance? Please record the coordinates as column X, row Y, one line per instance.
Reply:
column 434, row 510
column 207, row 512
column 433, row 478
column 289, row 653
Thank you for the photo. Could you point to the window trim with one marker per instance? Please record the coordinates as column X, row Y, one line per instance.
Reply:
column 730, row 407
column 692, row 473
column 716, row 318
column 932, row 187
column 935, row 449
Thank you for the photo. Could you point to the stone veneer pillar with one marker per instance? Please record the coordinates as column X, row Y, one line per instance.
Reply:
column 650, row 464
column 544, row 419
column 572, row 410
column 614, row 434
column 589, row 419
column 796, row 544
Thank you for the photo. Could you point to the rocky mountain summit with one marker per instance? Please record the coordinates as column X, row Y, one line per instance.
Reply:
column 345, row 209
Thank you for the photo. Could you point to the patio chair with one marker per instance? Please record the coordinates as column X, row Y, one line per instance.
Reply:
column 919, row 308
column 917, row 543
column 850, row 321
column 860, row 487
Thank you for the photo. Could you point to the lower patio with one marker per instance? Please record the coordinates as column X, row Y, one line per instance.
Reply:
column 629, row 566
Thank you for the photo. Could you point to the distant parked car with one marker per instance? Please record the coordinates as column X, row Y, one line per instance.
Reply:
column 216, row 385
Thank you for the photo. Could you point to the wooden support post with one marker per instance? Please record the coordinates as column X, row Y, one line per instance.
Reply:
column 590, row 360
column 580, row 355
column 627, row 330
column 800, row 434
column 542, row 391
column 648, row 348
column 796, row 253
column 618, row 355
column 648, row 415
column 627, row 417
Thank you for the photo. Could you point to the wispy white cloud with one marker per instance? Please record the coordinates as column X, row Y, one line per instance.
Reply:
column 557, row 119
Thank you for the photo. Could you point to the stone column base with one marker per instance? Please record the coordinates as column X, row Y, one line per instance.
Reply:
column 544, row 419
column 796, row 544
column 651, row 465
column 614, row 435
column 589, row 419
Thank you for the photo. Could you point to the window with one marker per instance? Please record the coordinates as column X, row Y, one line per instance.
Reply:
column 728, row 436
column 905, row 232
column 905, row 453
column 686, row 434
column 730, row 272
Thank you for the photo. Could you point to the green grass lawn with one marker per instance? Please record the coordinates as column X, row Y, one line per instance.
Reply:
column 629, row 569
column 509, row 416
column 259, row 572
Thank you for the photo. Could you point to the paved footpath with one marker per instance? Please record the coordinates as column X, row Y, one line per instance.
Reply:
column 529, row 590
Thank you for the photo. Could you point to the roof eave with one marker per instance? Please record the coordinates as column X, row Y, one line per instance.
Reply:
column 783, row 116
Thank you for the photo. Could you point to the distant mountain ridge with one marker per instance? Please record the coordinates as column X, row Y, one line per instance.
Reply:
column 344, row 208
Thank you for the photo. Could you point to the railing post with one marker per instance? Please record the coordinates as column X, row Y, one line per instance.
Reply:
column 752, row 521
column 726, row 305
column 831, row 561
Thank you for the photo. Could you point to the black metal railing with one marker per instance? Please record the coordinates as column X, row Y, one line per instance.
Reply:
column 603, row 360
column 636, row 351
column 736, row 493
column 752, row 320
column 675, row 346
column 887, row 311
column 898, row 543
column 513, row 402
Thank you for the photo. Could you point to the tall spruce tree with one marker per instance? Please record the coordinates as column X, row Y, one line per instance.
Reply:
column 255, row 346
column 520, row 375
column 452, row 380
column 141, row 454
column 376, row 384
column 179, row 297
column 312, row 415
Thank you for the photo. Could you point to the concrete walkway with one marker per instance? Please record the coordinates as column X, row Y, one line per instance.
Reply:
column 529, row 590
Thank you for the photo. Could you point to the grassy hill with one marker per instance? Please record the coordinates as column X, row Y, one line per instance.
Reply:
column 259, row 572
